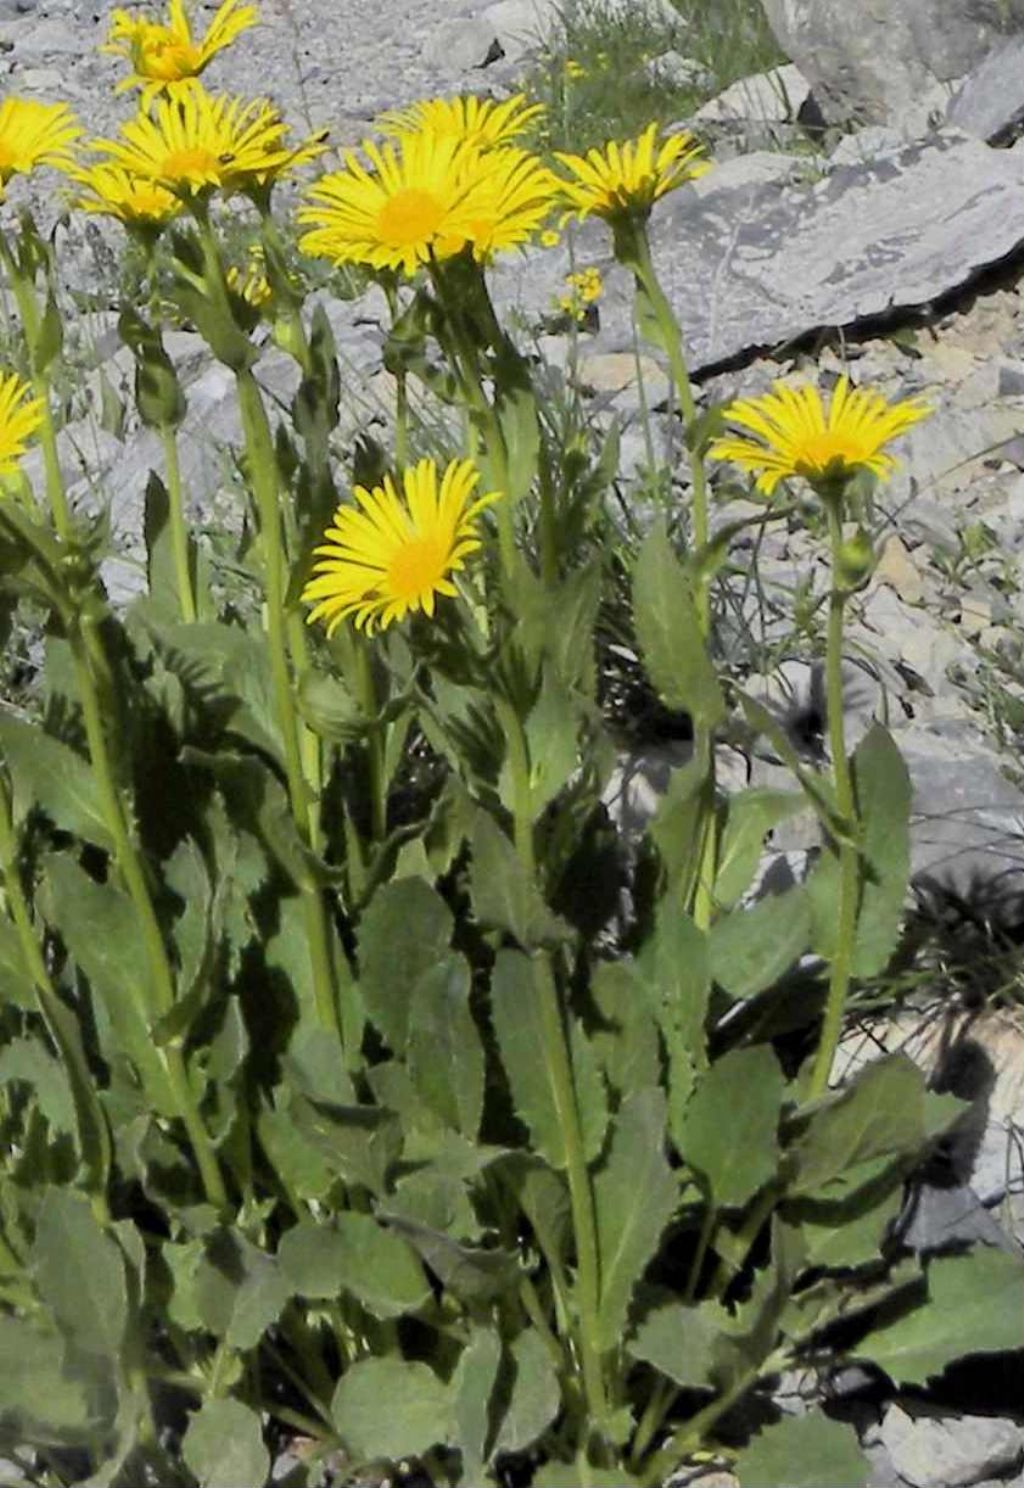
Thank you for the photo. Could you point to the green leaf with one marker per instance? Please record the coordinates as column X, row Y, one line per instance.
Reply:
column 883, row 792
column 694, row 1346
column 527, row 1022
column 405, row 931
column 471, row 1389
column 730, row 1127
column 880, row 1116
column 101, row 931
column 628, row 1232
column 669, row 634
column 675, row 966
column 28, row 1061
column 327, row 705
column 223, row 1445
column 552, row 730
column 803, row 1452
column 354, row 1255
column 390, row 1408
column 471, row 1273
column 504, row 894
column 543, row 1197
column 974, row 1305
column 751, row 949
column 239, row 1290
column 751, row 816
column 840, row 1236
column 535, row 1395
column 517, row 414
column 446, row 1055
column 48, row 774
column 626, row 1045
column 39, row 1398
column 676, row 828
column 16, row 985
column 80, row 1273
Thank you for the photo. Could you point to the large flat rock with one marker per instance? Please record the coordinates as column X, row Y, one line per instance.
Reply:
column 753, row 259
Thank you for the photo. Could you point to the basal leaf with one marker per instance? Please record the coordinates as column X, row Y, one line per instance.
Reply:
column 626, row 1045
column 354, row 1254
column 472, row 1388
column 674, row 964
column 535, row 1395
column 730, row 1127
column 668, row 630
column 628, row 1232
column 405, row 931
column 80, row 1273
column 974, row 1305
column 446, row 1055
column 803, row 1452
column 224, row 1447
column 39, row 1399
column 693, row 1346
column 390, row 1408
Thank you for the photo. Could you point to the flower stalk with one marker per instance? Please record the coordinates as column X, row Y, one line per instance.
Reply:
column 178, row 526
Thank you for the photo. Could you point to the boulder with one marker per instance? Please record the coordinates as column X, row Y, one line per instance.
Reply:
column 758, row 258
column 932, row 1451
column 990, row 103
column 873, row 61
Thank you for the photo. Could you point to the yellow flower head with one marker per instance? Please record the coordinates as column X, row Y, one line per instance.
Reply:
column 584, row 289
column 475, row 121
column 795, row 436
column 251, row 283
column 20, row 417
column 397, row 553
column 198, row 143
column 32, row 134
column 167, row 58
column 112, row 191
column 425, row 198
column 625, row 180
column 574, row 69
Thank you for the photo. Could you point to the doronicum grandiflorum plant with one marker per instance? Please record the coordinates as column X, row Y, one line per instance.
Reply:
column 347, row 1100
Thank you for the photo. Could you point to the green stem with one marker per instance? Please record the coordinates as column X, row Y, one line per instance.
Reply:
column 581, row 1198
column 707, row 1230
column 90, row 661
column 548, row 528
column 179, row 526
column 691, row 1437
column 671, row 338
column 263, row 476
column 842, row 960
column 366, row 693
column 28, row 310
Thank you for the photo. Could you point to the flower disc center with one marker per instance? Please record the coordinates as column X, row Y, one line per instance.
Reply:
column 410, row 216
column 418, row 565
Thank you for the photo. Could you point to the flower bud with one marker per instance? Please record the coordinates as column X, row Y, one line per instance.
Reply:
column 855, row 562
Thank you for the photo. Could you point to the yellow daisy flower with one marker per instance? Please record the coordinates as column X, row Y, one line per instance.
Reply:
column 625, row 180
column 426, row 197
column 795, row 436
column 33, row 133
column 20, row 417
column 476, row 121
column 397, row 553
column 112, row 191
column 584, row 289
column 199, row 143
column 168, row 58
column 251, row 283
column 508, row 198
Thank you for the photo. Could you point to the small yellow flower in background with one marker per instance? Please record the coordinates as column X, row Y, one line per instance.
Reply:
column 199, row 143
column 20, row 417
column 794, row 435
column 167, row 58
column 625, row 180
column 114, row 192
column 425, row 198
column 585, row 288
column 33, row 133
column 475, row 121
column 574, row 69
column 550, row 237
column 395, row 553
column 251, row 283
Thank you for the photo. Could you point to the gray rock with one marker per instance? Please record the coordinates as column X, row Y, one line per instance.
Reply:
column 765, row 98
column 749, row 264
column 679, row 71
column 463, row 44
column 868, row 144
column 990, row 103
column 942, row 1217
column 521, row 25
column 873, row 61
column 929, row 1451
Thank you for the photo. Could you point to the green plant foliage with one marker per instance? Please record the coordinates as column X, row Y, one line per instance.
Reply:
column 366, row 1076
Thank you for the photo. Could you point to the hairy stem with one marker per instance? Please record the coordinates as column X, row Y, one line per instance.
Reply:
column 842, row 960
column 179, row 526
